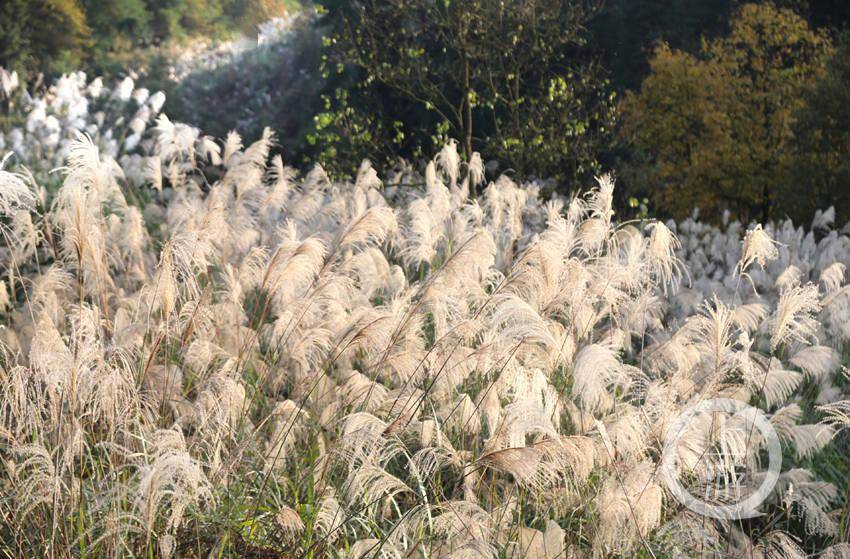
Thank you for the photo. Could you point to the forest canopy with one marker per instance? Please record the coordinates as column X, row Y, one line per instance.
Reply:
column 722, row 105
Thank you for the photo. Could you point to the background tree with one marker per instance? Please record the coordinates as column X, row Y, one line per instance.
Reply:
column 117, row 28
column 713, row 130
column 109, row 37
column 627, row 31
column 513, row 80
column 820, row 174
column 42, row 35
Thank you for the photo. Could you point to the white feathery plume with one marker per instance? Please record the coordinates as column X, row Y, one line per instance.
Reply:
column 788, row 279
column 373, row 226
column 758, row 248
column 210, row 150
column 816, row 361
column 836, row 413
column 289, row 521
column 476, row 169
column 832, row 277
column 824, row 218
column 449, row 161
column 794, row 318
column 630, row 506
column 661, row 253
column 600, row 200
column 750, row 316
column 837, row 551
column 421, row 234
column 777, row 384
column 38, row 482
column 779, row 545
column 367, row 177
column 173, row 481
column 153, row 171
column 232, row 145
column 330, row 517
column 15, row 191
column 595, row 371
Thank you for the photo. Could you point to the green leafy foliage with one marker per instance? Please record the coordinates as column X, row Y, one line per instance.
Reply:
column 515, row 82
column 47, row 34
column 58, row 36
column 273, row 83
column 713, row 131
column 718, row 104
column 626, row 32
column 821, row 170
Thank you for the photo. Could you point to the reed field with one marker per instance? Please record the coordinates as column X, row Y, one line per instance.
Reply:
column 206, row 353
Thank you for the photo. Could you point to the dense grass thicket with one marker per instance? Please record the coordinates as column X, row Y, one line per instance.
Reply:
column 208, row 354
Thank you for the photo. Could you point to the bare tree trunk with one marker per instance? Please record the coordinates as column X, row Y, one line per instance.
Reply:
column 765, row 203
column 467, row 125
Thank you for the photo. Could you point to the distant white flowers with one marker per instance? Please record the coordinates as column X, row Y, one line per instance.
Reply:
column 8, row 82
column 117, row 120
column 275, row 29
